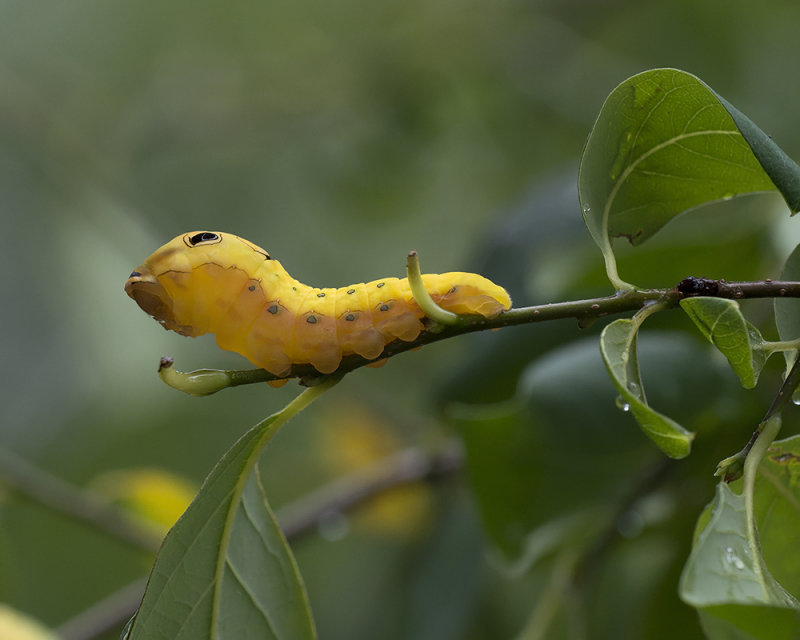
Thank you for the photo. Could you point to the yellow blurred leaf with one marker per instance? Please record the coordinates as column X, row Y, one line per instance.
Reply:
column 17, row 626
column 157, row 496
column 355, row 437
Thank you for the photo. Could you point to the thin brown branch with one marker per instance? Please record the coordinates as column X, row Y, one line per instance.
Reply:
column 405, row 467
column 104, row 616
column 585, row 311
column 80, row 504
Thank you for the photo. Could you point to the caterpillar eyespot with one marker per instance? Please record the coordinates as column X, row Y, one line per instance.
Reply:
column 204, row 237
column 213, row 282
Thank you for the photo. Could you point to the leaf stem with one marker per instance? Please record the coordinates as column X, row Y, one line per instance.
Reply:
column 540, row 620
column 778, row 345
column 769, row 430
column 649, row 308
column 731, row 467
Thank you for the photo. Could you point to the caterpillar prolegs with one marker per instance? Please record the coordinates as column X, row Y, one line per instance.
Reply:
column 214, row 282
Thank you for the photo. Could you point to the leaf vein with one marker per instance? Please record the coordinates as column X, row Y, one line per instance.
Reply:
column 253, row 599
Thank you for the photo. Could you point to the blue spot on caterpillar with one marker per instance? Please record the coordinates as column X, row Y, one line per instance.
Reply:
column 213, row 282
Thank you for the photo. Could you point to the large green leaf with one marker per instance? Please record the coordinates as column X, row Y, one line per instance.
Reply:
column 499, row 438
column 663, row 143
column 722, row 568
column 722, row 322
column 225, row 571
column 618, row 348
column 562, row 446
column 727, row 576
column 729, row 584
column 749, row 622
column 777, row 511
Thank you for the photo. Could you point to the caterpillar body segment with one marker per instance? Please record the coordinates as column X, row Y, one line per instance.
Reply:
column 213, row 282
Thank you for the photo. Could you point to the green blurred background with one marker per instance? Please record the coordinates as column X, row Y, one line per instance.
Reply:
column 338, row 136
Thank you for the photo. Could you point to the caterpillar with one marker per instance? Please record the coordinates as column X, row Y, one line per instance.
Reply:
column 214, row 282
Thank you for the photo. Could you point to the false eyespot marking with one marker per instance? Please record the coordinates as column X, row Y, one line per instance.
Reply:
column 203, row 237
column 214, row 282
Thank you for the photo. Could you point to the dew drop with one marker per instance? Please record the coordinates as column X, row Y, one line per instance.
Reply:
column 587, row 210
column 634, row 389
column 621, row 404
column 732, row 559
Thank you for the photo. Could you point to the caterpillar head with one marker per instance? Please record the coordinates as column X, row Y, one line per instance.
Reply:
column 146, row 284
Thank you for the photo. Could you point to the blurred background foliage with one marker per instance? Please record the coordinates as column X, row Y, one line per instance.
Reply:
column 339, row 136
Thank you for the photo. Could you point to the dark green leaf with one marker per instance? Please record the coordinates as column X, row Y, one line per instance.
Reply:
column 562, row 446
column 722, row 322
column 664, row 143
column 225, row 570
column 781, row 169
column 500, row 439
column 618, row 348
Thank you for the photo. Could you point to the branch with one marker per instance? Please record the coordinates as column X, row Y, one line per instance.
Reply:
column 405, row 467
column 106, row 615
column 79, row 504
column 207, row 381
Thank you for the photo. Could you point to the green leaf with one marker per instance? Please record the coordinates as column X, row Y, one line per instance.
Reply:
column 663, row 143
column 777, row 510
column 729, row 584
column 561, row 445
column 722, row 322
column 749, row 622
column 722, row 568
column 497, row 437
column 781, row 169
column 225, row 570
column 618, row 348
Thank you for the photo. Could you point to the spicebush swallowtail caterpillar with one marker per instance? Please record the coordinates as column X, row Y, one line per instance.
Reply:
column 213, row 282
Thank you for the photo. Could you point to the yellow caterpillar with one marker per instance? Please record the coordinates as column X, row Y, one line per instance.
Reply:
column 213, row 282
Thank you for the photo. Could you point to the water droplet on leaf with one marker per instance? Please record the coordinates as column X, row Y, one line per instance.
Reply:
column 732, row 559
column 621, row 404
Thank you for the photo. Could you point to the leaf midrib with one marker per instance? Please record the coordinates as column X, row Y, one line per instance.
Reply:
column 632, row 166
